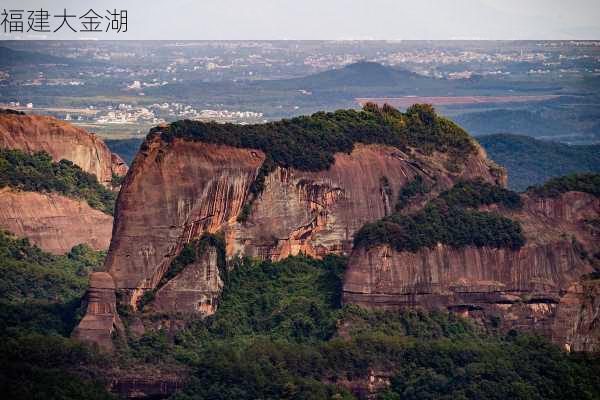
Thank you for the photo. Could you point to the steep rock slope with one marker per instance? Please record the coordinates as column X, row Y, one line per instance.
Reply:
column 181, row 187
column 33, row 133
column 521, row 288
column 53, row 222
column 30, row 202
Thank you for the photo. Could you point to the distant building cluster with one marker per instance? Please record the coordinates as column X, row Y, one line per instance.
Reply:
column 127, row 114
column 184, row 111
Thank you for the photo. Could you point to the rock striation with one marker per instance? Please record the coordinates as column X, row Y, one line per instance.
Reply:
column 101, row 321
column 535, row 288
column 53, row 222
column 178, row 190
column 33, row 133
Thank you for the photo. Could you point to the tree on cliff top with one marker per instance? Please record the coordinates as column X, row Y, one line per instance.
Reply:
column 310, row 142
column 38, row 173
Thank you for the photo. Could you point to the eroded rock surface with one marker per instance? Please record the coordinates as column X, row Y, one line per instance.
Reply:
column 523, row 289
column 177, row 191
column 196, row 289
column 32, row 133
column 577, row 322
column 101, row 321
column 53, row 222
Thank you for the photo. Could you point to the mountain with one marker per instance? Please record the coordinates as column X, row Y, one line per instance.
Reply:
column 308, row 258
column 57, row 183
column 358, row 75
column 531, row 162
column 125, row 148
column 516, row 264
column 283, row 189
column 13, row 58
column 34, row 133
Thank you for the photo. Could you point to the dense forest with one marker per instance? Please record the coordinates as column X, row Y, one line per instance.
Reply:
column 584, row 182
column 310, row 142
column 532, row 162
column 451, row 219
column 38, row 173
column 280, row 332
column 40, row 304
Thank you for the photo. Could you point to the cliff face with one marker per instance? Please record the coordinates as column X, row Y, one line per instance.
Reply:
column 61, row 140
column 53, row 222
column 176, row 191
column 196, row 289
column 577, row 322
column 522, row 289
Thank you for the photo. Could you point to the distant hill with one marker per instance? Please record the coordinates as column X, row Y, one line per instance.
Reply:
column 515, row 121
column 125, row 148
column 10, row 57
column 531, row 161
column 361, row 74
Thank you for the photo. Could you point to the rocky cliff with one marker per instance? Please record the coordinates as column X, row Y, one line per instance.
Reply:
column 191, row 179
column 61, row 140
column 533, row 288
column 177, row 190
column 53, row 222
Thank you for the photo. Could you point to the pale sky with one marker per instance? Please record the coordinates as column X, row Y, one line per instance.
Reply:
column 331, row 19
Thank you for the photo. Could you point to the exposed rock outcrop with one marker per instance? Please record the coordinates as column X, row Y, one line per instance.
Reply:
column 32, row 133
column 178, row 190
column 196, row 289
column 101, row 321
column 577, row 322
column 520, row 289
column 53, row 222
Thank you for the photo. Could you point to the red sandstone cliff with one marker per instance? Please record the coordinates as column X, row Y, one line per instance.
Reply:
column 176, row 191
column 53, row 222
column 61, row 140
column 525, row 289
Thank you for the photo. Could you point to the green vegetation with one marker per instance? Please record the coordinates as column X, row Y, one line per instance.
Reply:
column 585, row 182
column 10, row 112
column 28, row 273
column 281, row 333
column 449, row 219
column 193, row 251
column 532, row 162
column 40, row 304
column 414, row 188
column 125, row 148
column 38, row 173
column 310, row 142
column 49, row 367
column 275, row 336
column 476, row 193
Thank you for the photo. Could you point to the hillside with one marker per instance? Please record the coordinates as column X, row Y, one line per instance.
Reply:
column 345, row 255
column 40, row 296
column 11, row 58
column 358, row 75
column 530, row 161
column 61, row 140
column 125, row 148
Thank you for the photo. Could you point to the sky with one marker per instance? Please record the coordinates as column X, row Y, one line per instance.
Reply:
column 327, row 19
